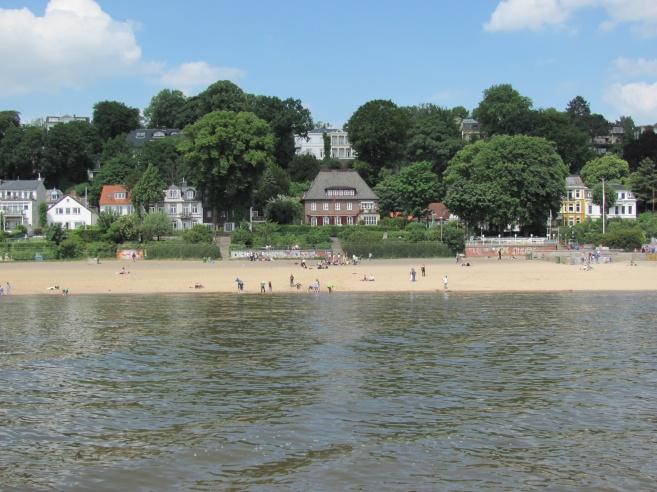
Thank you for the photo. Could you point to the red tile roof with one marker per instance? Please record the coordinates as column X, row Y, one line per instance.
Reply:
column 107, row 195
column 439, row 210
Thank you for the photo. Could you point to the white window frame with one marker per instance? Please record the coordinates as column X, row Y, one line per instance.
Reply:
column 350, row 206
column 326, row 220
column 350, row 220
column 313, row 221
column 325, row 206
column 337, row 205
column 313, row 206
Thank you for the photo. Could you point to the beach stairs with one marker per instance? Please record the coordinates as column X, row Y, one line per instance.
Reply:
column 223, row 242
column 336, row 247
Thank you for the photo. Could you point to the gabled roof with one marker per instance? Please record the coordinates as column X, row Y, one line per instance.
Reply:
column 107, row 195
column 326, row 180
column 574, row 182
column 75, row 199
column 439, row 210
column 20, row 185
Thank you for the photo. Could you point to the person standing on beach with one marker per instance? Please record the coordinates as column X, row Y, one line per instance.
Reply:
column 291, row 280
column 270, row 287
column 423, row 270
column 499, row 254
column 7, row 289
column 445, row 282
column 262, row 287
column 413, row 274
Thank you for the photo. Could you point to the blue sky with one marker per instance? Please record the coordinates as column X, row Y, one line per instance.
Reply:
column 62, row 56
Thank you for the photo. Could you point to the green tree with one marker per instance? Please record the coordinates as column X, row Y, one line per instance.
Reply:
column 124, row 228
column 226, row 153
column 122, row 169
column 274, row 181
column 43, row 215
column 54, row 233
column 8, row 119
column 572, row 142
column 410, row 191
column 579, row 111
column 198, row 233
column 105, row 220
column 628, row 128
column 112, row 118
column 22, row 152
column 114, row 147
column 610, row 195
column 71, row 150
column 284, row 210
column 165, row 156
column 378, row 132
column 433, row 136
column 503, row 111
column 166, row 109
column 156, row 224
column 303, row 167
column 504, row 181
column 287, row 118
column 637, row 150
column 148, row 190
column 609, row 167
column 643, row 182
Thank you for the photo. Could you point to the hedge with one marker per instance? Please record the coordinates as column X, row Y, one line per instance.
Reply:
column 396, row 249
column 174, row 250
column 27, row 250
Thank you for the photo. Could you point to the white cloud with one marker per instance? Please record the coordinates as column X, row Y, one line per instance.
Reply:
column 75, row 43
column 638, row 99
column 627, row 67
column 191, row 75
column 72, row 43
column 513, row 15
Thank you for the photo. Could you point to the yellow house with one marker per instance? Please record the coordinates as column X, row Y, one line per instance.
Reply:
column 573, row 205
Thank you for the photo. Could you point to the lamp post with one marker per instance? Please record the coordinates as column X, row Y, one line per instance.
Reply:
column 604, row 202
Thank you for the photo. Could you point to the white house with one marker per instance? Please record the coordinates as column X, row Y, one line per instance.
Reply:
column 19, row 203
column 183, row 205
column 71, row 213
column 115, row 199
column 313, row 144
column 624, row 208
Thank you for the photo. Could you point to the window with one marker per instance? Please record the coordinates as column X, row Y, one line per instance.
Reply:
column 68, row 211
column 172, row 193
column 325, row 206
column 629, row 209
column 616, row 210
column 622, row 196
column 194, row 209
column 570, row 195
column 76, row 211
column 59, row 211
column 119, row 195
column 338, row 221
column 172, row 209
column 350, row 220
column 576, row 193
column 190, row 194
column 350, row 206
column 313, row 220
column 367, row 205
column 577, row 221
column 577, row 209
column 337, row 205
column 208, row 214
column 313, row 206
column 623, row 210
column 590, row 209
column 140, row 135
column 326, row 221
column 570, row 207
column 369, row 219
column 185, row 209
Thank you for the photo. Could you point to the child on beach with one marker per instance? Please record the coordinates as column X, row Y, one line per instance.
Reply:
column 445, row 282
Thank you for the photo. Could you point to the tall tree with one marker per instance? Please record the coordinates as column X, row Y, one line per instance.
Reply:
column 303, row 167
column 222, row 95
column 503, row 111
column 165, row 156
column 149, row 190
column 432, row 136
column 274, row 181
column 643, row 182
column 287, row 118
column 593, row 124
column 166, row 109
column 378, row 132
column 609, row 167
column 123, row 169
column 628, row 128
column 571, row 141
column 578, row 109
column 409, row 191
column 644, row 146
column 71, row 149
column 226, row 153
column 112, row 118
column 22, row 152
column 504, row 181
column 8, row 119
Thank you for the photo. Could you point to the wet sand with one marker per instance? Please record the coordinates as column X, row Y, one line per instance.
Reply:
column 488, row 275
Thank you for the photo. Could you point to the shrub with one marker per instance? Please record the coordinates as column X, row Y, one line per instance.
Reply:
column 198, row 233
column 100, row 249
column 178, row 250
column 71, row 247
column 242, row 235
column 156, row 224
column 625, row 238
column 54, row 233
column 396, row 249
column 393, row 222
column 284, row 210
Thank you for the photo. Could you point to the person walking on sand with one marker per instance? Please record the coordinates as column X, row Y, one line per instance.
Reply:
column 270, row 287
column 445, row 282
column 7, row 289
column 499, row 254
column 291, row 280
column 413, row 274
column 423, row 270
column 262, row 287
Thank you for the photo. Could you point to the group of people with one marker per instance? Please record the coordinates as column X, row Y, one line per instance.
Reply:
column 423, row 272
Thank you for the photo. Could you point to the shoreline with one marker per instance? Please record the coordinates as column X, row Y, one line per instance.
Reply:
column 393, row 276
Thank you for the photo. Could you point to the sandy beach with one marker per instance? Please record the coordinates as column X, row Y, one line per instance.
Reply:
column 488, row 275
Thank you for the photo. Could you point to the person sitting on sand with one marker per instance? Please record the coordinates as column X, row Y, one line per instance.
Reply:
column 123, row 271
column 53, row 287
column 65, row 291
column 198, row 285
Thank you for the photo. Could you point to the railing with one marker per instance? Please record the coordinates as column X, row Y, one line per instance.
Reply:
column 509, row 241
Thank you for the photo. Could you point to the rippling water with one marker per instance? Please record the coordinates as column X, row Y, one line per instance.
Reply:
column 329, row 392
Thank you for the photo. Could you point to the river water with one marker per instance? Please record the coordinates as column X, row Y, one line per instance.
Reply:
column 329, row 392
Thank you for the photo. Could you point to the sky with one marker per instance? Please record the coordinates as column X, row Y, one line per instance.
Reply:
column 62, row 56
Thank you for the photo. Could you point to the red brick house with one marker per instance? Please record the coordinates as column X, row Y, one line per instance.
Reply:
column 340, row 198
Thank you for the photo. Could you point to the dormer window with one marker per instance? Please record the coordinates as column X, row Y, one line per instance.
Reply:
column 120, row 195
column 158, row 134
column 190, row 194
column 140, row 135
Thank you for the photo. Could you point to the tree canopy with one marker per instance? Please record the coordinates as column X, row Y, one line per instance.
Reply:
column 609, row 167
column 112, row 118
column 409, row 191
column 226, row 152
column 637, row 150
column 504, row 181
column 71, row 150
column 503, row 111
column 149, row 190
column 166, row 109
column 377, row 131
column 643, row 182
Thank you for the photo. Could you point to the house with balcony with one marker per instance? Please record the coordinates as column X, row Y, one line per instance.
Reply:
column 340, row 198
column 183, row 205
column 313, row 144
column 19, row 203
column 115, row 199
column 623, row 208
column 577, row 205
column 71, row 213
column 573, row 205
